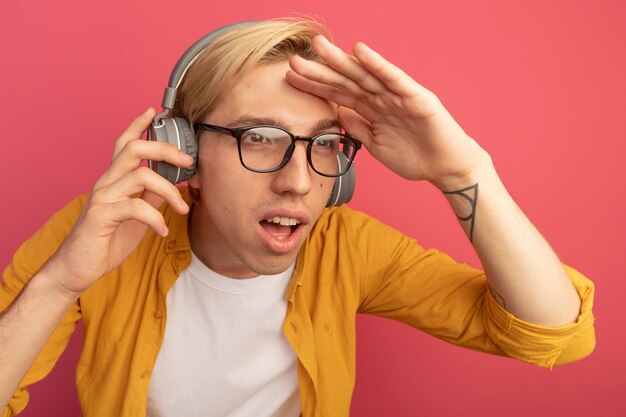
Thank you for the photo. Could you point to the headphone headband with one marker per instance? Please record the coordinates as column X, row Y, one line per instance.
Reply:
column 185, row 61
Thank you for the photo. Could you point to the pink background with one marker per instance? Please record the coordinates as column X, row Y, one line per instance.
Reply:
column 540, row 84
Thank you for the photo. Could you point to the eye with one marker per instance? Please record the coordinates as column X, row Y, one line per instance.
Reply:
column 323, row 142
column 327, row 142
column 255, row 138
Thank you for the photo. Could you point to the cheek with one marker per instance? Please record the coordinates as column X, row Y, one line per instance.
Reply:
column 228, row 188
column 218, row 168
column 324, row 189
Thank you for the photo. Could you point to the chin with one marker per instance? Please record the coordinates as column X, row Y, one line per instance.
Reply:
column 272, row 266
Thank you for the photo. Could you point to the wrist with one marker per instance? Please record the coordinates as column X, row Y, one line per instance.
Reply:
column 480, row 170
column 50, row 279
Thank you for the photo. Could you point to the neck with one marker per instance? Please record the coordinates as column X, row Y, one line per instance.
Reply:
column 216, row 256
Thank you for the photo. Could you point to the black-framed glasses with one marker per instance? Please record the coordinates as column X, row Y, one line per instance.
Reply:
column 266, row 148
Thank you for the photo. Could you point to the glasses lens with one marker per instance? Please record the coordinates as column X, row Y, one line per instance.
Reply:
column 324, row 151
column 264, row 148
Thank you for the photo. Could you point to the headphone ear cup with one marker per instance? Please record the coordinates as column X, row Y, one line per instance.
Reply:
column 343, row 190
column 190, row 146
column 175, row 131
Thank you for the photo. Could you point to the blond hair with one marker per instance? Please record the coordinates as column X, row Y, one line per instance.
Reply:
column 234, row 53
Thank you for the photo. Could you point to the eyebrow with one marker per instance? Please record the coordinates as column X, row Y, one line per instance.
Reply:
column 246, row 120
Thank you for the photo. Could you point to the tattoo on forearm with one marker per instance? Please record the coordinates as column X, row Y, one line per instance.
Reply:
column 497, row 296
column 470, row 194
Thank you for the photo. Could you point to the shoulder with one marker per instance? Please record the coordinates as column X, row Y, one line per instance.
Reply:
column 344, row 230
column 361, row 225
column 343, row 216
column 60, row 224
column 71, row 211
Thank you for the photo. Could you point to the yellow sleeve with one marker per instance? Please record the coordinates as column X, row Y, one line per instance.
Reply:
column 28, row 259
column 428, row 290
column 541, row 345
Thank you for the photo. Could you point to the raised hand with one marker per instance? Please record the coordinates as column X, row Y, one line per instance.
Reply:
column 121, row 207
column 401, row 123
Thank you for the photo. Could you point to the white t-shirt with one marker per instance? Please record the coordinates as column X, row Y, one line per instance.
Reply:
column 224, row 352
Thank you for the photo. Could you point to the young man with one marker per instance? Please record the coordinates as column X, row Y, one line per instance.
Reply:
column 241, row 299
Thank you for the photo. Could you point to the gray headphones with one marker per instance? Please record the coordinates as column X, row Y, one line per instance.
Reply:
column 176, row 130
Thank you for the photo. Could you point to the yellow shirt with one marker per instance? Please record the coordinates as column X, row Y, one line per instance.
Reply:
column 349, row 264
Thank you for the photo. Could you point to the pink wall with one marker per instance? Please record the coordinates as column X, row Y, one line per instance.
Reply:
column 539, row 84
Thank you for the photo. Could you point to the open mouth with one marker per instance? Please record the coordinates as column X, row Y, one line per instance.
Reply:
column 280, row 227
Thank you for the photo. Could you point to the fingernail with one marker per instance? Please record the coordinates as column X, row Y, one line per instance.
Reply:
column 183, row 205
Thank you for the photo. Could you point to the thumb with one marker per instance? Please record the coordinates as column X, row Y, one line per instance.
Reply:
column 355, row 125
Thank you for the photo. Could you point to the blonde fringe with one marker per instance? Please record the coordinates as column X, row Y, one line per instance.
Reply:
column 235, row 53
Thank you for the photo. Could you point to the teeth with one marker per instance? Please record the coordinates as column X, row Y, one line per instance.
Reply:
column 283, row 221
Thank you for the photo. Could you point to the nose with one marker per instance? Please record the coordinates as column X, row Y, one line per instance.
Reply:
column 295, row 177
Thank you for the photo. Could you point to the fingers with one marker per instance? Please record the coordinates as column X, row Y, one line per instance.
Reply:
column 136, row 151
column 323, row 74
column 136, row 182
column 347, row 66
column 135, row 130
column 111, row 215
column 130, row 151
column 126, row 177
column 367, row 72
column 393, row 77
column 113, row 205
column 322, row 90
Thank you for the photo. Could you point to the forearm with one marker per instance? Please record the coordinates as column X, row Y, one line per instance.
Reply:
column 523, row 272
column 26, row 326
